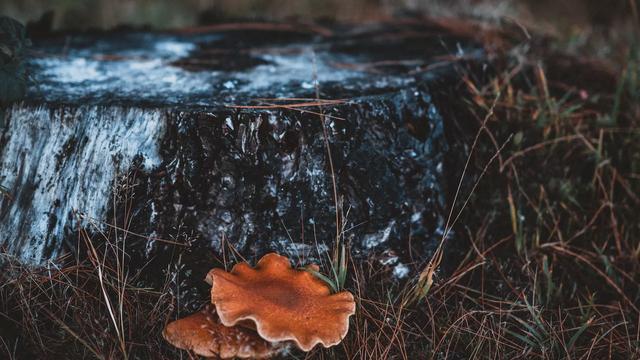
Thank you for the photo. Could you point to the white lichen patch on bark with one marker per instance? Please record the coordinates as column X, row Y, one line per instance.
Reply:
column 55, row 162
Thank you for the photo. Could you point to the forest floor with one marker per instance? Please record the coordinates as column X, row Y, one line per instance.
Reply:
column 547, row 223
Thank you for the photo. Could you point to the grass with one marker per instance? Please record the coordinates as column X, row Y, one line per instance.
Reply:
column 550, row 266
column 84, row 310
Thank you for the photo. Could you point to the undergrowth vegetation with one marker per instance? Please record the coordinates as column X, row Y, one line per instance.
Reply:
column 548, row 223
column 552, row 268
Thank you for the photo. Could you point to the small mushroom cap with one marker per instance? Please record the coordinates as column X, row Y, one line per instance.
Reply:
column 285, row 304
column 202, row 334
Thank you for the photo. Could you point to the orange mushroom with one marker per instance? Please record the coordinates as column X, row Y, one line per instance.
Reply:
column 285, row 304
column 202, row 334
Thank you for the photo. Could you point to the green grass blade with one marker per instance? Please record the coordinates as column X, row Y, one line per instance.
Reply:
column 575, row 336
column 324, row 278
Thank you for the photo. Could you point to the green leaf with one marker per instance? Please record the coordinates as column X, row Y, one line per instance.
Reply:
column 575, row 336
column 517, row 138
column 522, row 338
column 342, row 269
column 324, row 278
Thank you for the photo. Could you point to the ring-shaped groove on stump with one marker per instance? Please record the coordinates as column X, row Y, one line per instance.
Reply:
column 285, row 304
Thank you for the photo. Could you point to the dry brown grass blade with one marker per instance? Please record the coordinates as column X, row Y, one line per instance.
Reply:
column 425, row 279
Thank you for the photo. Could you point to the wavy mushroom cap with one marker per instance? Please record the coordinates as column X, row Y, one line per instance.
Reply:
column 285, row 304
column 202, row 334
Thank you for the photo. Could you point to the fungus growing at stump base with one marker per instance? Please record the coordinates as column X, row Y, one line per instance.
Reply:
column 203, row 334
column 284, row 303
column 260, row 311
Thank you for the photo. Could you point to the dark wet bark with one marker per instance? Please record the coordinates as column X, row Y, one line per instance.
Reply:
column 144, row 131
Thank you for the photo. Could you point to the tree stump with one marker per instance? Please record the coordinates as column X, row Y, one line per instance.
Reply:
column 207, row 139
